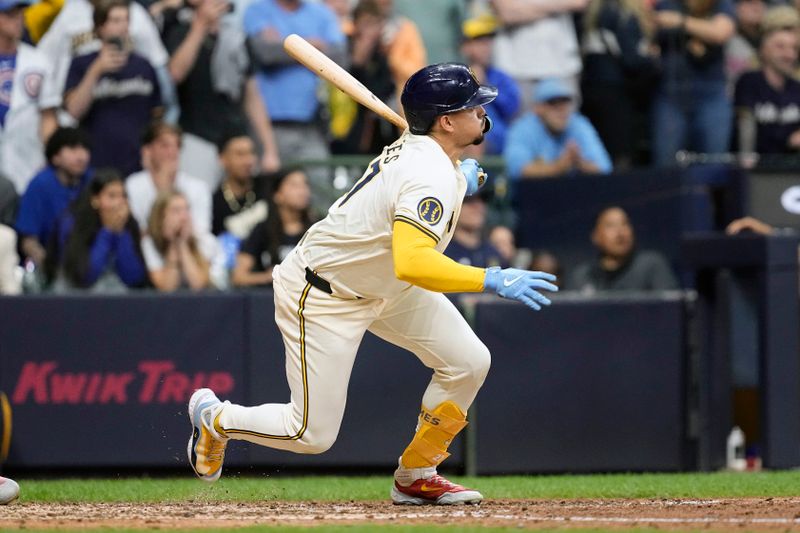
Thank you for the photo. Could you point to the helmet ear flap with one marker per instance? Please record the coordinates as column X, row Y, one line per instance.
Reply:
column 487, row 124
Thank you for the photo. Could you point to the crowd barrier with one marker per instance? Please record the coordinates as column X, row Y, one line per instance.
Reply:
column 588, row 385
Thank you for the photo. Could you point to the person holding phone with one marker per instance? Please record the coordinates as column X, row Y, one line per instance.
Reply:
column 110, row 87
column 213, row 73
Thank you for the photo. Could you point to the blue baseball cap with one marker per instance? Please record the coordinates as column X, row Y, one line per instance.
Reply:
column 551, row 89
column 8, row 5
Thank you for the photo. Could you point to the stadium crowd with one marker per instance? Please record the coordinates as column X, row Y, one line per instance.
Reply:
column 160, row 143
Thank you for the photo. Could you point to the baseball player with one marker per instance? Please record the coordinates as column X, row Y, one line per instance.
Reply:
column 375, row 263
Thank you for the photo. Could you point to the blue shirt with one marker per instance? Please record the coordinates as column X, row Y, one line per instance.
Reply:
column 502, row 109
column 8, row 65
column 43, row 202
column 529, row 140
column 290, row 91
column 118, row 252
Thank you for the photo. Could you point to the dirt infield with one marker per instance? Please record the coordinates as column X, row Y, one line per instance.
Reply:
column 774, row 514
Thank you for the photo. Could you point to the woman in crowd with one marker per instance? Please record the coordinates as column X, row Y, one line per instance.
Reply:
column 691, row 108
column 271, row 240
column 175, row 255
column 619, row 72
column 97, row 244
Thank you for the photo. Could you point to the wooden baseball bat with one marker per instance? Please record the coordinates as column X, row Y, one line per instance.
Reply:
column 317, row 62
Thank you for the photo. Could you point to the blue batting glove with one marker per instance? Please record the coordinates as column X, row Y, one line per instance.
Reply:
column 521, row 285
column 475, row 175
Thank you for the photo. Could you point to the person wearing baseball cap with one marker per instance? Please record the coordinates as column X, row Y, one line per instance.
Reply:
column 8, row 5
column 476, row 47
column 552, row 139
column 28, row 102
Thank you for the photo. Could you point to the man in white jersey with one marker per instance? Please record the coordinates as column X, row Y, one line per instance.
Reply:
column 375, row 263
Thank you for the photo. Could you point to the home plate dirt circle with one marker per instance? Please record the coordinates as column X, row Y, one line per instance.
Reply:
column 775, row 514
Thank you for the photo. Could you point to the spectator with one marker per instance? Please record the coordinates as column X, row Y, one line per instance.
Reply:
column 72, row 34
column 176, row 256
column 217, row 90
column 439, row 24
column 619, row 73
column 98, row 240
column 553, row 139
column 545, row 26
column 691, row 107
column 114, row 93
column 546, row 261
column 741, row 52
column 161, row 148
column 768, row 100
column 288, row 89
column 239, row 203
column 478, row 39
column 341, row 9
column 10, row 283
column 9, row 200
column 28, row 99
column 271, row 240
column 502, row 238
column 469, row 245
column 366, row 132
column 52, row 190
column 620, row 266
column 403, row 43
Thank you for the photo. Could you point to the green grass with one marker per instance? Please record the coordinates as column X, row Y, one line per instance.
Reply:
column 714, row 485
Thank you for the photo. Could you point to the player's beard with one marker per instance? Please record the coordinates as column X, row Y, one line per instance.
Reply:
column 479, row 139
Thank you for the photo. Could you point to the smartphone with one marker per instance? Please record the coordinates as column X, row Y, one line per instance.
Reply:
column 116, row 42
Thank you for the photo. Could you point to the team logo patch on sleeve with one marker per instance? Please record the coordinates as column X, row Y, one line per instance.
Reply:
column 430, row 210
column 32, row 81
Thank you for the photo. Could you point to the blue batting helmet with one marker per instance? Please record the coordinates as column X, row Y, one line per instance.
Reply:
column 441, row 88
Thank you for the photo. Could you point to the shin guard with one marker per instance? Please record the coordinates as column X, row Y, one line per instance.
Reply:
column 435, row 431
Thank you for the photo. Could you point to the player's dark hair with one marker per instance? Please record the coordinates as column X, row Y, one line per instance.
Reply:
column 158, row 127
column 274, row 225
column 228, row 136
column 62, row 137
column 102, row 10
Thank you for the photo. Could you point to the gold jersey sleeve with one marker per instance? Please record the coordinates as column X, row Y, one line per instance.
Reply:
column 416, row 261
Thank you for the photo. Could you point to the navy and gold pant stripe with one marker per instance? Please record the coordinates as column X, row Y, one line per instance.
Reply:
column 303, row 368
column 423, row 229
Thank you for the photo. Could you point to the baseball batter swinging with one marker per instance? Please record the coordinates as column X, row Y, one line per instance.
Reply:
column 375, row 263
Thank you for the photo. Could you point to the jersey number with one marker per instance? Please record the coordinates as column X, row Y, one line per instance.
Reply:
column 373, row 170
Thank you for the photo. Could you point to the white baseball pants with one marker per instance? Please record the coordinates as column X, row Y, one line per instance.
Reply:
column 322, row 333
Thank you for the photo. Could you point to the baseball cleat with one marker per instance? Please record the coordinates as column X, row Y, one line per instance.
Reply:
column 9, row 490
column 206, row 448
column 434, row 490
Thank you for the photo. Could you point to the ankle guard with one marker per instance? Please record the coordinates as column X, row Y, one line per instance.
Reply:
column 435, row 431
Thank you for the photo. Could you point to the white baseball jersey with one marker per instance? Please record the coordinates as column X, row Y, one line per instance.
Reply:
column 413, row 181
column 33, row 89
